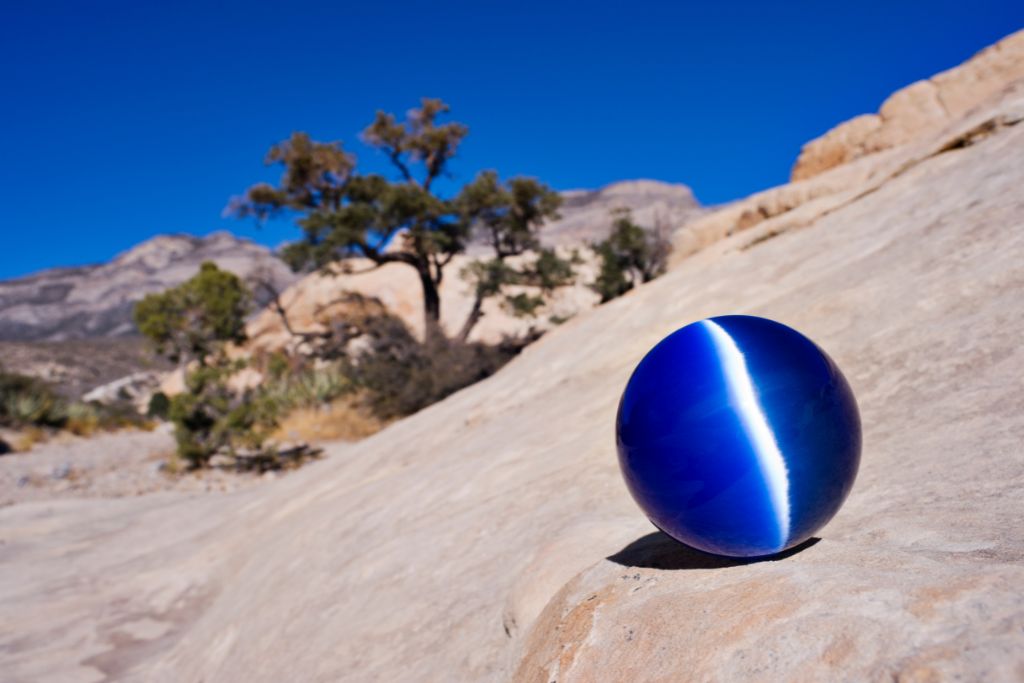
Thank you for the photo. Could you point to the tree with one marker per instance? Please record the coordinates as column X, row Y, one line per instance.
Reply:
column 509, row 216
column 193, row 320
column 629, row 256
column 345, row 214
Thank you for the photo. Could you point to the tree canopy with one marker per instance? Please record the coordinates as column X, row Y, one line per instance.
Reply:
column 192, row 321
column 345, row 214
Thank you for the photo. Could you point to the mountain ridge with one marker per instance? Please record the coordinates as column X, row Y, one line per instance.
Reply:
column 96, row 300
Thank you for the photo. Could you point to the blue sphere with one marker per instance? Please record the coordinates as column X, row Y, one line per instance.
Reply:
column 738, row 436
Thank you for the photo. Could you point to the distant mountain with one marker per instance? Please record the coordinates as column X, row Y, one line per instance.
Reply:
column 586, row 214
column 96, row 301
column 75, row 366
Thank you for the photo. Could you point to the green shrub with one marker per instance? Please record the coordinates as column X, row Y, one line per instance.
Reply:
column 210, row 418
column 159, row 406
column 193, row 320
column 27, row 401
column 631, row 255
column 305, row 385
column 523, row 305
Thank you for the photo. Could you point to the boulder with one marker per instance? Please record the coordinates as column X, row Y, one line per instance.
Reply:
column 136, row 388
column 917, row 111
column 317, row 299
column 776, row 210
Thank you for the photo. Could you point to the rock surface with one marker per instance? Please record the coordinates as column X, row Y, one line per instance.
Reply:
column 917, row 111
column 110, row 465
column 490, row 536
column 96, row 301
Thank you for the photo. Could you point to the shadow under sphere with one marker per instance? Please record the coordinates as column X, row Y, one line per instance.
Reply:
column 658, row 550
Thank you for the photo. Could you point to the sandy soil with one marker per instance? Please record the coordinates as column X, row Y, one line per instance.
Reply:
column 127, row 463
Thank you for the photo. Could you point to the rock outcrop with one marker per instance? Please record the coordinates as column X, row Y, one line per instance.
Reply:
column 918, row 110
column 96, row 301
column 653, row 204
column 779, row 209
column 490, row 536
column 585, row 217
column 316, row 299
column 135, row 389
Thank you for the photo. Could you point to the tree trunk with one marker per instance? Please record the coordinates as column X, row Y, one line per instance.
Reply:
column 472, row 319
column 431, row 306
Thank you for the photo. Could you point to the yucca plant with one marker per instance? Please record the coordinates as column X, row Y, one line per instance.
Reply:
column 29, row 401
column 320, row 387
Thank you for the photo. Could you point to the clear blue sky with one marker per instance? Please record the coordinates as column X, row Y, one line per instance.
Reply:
column 120, row 121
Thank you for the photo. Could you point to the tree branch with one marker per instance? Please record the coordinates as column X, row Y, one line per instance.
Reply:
column 396, row 158
column 379, row 258
column 435, row 164
column 282, row 313
column 372, row 268
column 275, row 301
column 447, row 259
column 473, row 318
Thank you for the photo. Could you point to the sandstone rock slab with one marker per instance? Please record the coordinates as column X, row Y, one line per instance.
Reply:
column 918, row 110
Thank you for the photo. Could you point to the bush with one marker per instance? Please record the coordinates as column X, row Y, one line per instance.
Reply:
column 399, row 375
column 369, row 356
column 347, row 419
column 159, row 406
column 631, row 255
column 210, row 418
column 313, row 387
column 82, row 419
column 277, row 365
column 116, row 415
column 27, row 401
